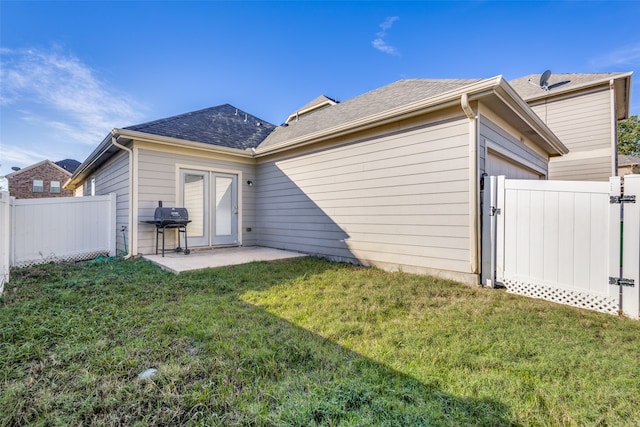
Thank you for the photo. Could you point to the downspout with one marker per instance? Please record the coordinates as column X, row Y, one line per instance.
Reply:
column 614, row 128
column 474, row 187
column 114, row 141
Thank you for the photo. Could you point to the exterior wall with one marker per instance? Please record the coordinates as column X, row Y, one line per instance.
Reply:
column 582, row 169
column 584, row 123
column 496, row 141
column 158, row 178
column 21, row 182
column 398, row 201
column 628, row 169
column 113, row 177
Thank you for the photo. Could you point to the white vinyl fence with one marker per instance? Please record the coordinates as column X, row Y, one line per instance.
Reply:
column 560, row 241
column 59, row 229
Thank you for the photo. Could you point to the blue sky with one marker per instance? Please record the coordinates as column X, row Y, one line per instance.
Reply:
column 72, row 71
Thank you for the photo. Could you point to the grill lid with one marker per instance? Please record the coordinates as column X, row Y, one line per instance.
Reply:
column 171, row 215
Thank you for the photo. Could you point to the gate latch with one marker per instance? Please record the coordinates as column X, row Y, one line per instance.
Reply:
column 622, row 199
column 495, row 211
column 619, row 281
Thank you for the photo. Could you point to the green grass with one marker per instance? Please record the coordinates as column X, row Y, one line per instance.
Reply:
column 302, row 343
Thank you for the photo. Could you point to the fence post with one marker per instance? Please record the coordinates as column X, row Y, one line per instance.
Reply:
column 631, row 248
column 489, row 212
column 5, row 238
column 498, row 253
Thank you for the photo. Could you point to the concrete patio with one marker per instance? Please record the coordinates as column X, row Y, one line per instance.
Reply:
column 199, row 259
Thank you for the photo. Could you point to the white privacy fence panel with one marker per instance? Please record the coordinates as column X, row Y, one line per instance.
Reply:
column 62, row 229
column 556, row 240
column 5, row 222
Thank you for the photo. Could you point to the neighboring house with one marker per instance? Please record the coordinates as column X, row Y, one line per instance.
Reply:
column 583, row 111
column 628, row 165
column 43, row 179
column 391, row 178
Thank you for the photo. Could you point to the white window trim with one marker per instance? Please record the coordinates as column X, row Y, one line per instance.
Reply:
column 41, row 186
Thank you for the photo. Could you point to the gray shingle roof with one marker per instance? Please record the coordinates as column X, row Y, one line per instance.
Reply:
column 68, row 164
column 383, row 99
column 528, row 86
column 223, row 125
column 624, row 160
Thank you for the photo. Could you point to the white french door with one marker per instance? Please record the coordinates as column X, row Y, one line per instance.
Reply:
column 211, row 199
column 225, row 209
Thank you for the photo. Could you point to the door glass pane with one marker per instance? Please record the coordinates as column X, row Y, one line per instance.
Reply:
column 224, row 206
column 193, row 194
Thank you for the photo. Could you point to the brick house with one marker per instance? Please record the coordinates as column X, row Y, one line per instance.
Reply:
column 44, row 179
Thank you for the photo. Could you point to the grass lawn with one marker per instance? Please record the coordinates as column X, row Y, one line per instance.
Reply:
column 302, row 343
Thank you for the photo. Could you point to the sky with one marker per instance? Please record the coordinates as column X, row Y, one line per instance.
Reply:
column 72, row 71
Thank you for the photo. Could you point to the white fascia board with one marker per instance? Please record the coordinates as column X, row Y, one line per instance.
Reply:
column 519, row 106
column 326, row 103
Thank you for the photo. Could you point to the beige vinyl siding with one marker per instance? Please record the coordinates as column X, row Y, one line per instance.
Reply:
column 587, row 169
column 157, row 180
column 584, row 124
column 113, row 177
column 398, row 201
column 495, row 139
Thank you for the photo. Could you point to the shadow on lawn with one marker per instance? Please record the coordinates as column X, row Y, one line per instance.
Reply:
column 78, row 336
column 276, row 373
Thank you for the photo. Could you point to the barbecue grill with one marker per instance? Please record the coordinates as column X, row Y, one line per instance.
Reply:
column 171, row 218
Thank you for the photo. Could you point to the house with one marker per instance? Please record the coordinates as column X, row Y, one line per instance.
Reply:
column 43, row 179
column 583, row 111
column 391, row 178
column 628, row 165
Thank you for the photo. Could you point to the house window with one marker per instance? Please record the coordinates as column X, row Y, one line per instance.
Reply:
column 55, row 187
column 38, row 186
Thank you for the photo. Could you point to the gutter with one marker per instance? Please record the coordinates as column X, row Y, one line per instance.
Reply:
column 474, row 184
column 93, row 157
column 114, row 141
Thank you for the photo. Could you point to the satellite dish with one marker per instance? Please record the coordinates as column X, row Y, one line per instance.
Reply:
column 544, row 80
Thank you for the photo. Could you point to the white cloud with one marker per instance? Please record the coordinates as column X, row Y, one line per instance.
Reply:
column 58, row 91
column 380, row 43
column 19, row 156
column 629, row 55
column 388, row 23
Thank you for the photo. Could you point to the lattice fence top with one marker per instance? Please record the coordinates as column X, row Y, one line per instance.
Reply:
column 85, row 256
column 562, row 296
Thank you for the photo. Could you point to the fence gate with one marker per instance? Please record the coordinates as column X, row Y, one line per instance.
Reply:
column 561, row 241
